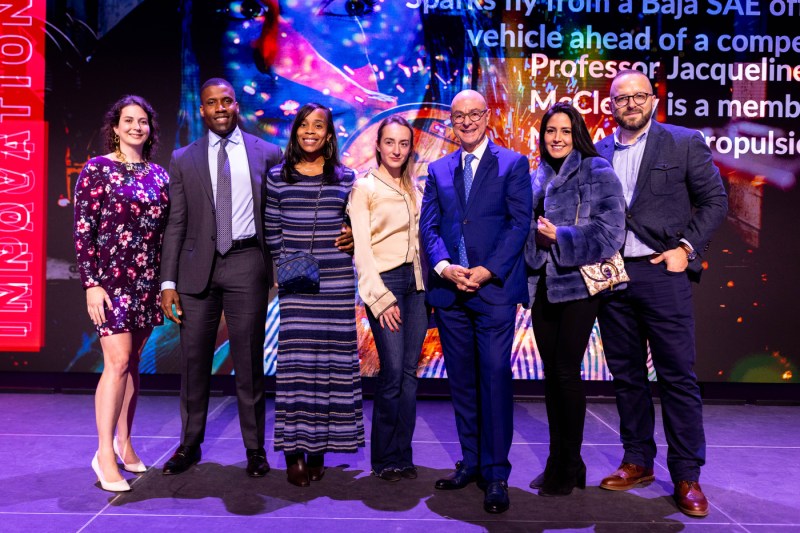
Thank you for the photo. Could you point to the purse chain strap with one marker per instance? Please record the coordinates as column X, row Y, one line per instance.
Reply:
column 314, row 228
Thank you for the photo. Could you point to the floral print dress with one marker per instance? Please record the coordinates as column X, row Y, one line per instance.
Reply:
column 120, row 215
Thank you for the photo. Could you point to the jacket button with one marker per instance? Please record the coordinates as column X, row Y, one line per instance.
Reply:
column 213, row 237
column 628, row 216
column 465, row 222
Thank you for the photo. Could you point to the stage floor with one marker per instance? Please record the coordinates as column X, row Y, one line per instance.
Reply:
column 47, row 484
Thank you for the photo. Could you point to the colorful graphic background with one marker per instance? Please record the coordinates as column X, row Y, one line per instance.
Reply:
column 366, row 59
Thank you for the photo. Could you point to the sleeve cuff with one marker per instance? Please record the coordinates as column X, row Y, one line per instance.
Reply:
column 440, row 266
column 168, row 285
column 383, row 303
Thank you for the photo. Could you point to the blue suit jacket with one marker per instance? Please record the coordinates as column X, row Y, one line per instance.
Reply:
column 494, row 222
column 679, row 192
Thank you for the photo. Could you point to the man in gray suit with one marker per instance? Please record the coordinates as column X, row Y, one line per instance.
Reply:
column 675, row 200
column 214, row 260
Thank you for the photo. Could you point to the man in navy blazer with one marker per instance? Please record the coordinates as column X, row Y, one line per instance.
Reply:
column 202, row 278
column 675, row 200
column 476, row 213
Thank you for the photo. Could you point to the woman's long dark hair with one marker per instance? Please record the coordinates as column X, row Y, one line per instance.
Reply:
column 332, row 169
column 581, row 140
column 112, row 119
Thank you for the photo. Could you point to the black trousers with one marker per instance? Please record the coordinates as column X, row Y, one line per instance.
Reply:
column 562, row 331
column 239, row 289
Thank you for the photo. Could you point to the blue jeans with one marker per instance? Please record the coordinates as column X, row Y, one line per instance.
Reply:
column 394, row 410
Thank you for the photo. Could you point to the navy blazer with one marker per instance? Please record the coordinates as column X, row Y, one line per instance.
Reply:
column 494, row 222
column 679, row 192
column 189, row 238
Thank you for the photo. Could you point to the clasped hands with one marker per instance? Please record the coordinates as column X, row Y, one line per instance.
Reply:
column 466, row 279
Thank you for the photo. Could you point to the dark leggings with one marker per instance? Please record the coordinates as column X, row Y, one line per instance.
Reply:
column 562, row 332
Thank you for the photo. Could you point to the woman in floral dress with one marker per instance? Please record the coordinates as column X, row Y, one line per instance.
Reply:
column 121, row 204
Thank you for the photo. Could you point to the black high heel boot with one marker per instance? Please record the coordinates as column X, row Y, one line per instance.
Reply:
column 316, row 466
column 565, row 480
column 548, row 472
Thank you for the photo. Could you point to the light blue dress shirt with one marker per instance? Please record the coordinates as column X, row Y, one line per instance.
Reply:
column 627, row 161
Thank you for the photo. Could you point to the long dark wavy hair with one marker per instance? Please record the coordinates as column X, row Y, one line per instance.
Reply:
column 581, row 140
column 112, row 119
column 332, row 169
column 406, row 177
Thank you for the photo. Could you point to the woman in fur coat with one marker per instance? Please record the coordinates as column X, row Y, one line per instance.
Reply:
column 578, row 219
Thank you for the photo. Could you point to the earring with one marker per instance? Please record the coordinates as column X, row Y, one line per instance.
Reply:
column 117, row 151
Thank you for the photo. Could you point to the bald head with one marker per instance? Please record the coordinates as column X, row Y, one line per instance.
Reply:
column 630, row 76
column 470, row 118
column 469, row 96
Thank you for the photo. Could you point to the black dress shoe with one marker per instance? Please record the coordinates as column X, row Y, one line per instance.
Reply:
column 181, row 460
column 257, row 465
column 458, row 479
column 496, row 499
column 409, row 472
column 388, row 474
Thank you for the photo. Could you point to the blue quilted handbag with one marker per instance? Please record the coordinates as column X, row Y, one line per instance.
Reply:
column 298, row 271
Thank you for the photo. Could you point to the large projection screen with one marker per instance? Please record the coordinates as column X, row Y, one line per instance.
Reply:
column 728, row 68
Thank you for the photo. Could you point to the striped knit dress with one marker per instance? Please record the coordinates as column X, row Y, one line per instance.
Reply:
column 318, row 384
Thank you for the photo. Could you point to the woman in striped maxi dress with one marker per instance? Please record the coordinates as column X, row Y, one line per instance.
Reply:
column 318, row 386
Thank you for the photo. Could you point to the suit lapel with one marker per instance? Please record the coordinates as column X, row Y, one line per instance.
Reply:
column 255, row 163
column 486, row 166
column 458, row 177
column 200, row 162
column 606, row 148
column 648, row 158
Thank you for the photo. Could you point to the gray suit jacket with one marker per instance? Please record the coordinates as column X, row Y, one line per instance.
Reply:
column 679, row 192
column 189, row 247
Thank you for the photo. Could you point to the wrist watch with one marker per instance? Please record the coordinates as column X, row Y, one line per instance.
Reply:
column 691, row 255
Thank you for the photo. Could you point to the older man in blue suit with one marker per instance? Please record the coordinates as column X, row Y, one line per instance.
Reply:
column 675, row 200
column 475, row 217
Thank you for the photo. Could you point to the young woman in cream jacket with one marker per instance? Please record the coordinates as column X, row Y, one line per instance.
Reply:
column 384, row 214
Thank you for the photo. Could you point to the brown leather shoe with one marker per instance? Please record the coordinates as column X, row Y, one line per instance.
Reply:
column 690, row 498
column 316, row 466
column 627, row 476
column 297, row 471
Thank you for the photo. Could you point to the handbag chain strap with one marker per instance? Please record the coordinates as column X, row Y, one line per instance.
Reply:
column 314, row 227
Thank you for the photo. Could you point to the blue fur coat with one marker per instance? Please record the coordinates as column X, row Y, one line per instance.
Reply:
column 589, row 188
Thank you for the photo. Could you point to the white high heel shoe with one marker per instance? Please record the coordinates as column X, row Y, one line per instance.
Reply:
column 137, row 467
column 113, row 486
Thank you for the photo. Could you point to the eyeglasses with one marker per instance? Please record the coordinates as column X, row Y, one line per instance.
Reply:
column 474, row 116
column 638, row 99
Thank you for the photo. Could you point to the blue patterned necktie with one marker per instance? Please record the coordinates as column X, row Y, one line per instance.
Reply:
column 224, row 207
column 468, row 177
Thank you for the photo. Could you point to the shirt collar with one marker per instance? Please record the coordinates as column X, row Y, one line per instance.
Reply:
column 619, row 145
column 234, row 137
column 478, row 152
